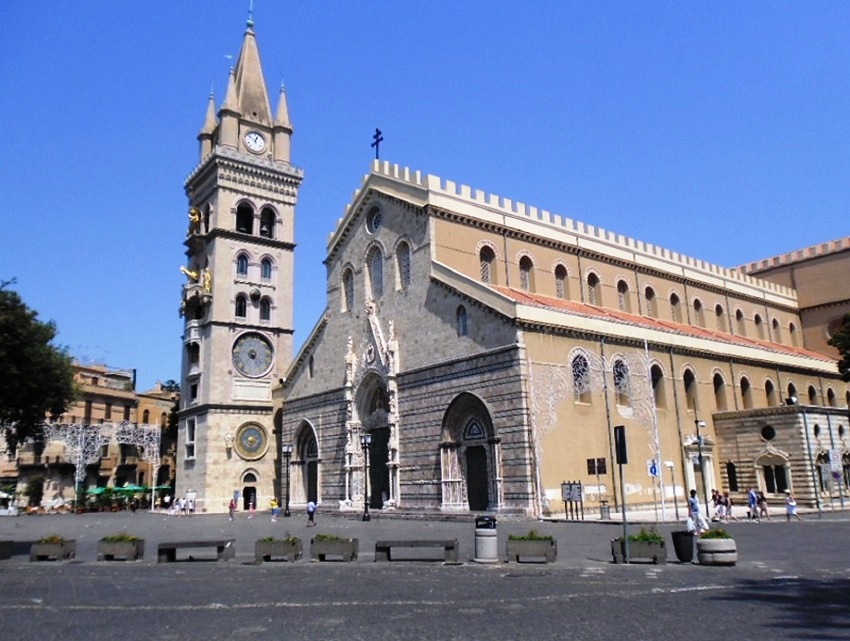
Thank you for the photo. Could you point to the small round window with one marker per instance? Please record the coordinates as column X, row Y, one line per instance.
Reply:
column 373, row 219
column 768, row 433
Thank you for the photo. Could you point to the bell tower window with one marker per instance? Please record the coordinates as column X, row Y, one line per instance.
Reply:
column 245, row 219
column 267, row 223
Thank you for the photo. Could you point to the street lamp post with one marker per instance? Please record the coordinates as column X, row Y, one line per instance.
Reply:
column 670, row 466
column 287, row 455
column 700, row 424
column 365, row 441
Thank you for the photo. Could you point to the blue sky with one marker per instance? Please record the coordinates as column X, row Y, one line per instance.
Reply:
column 719, row 130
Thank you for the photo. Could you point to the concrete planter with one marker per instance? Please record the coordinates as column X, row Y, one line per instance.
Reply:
column 290, row 550
column 717, row 551
column 654, row 552
column 53, row 551
column 121, row 550
column 542, row 549
column 344, row 549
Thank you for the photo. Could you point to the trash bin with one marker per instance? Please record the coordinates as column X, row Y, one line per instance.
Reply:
column 604, row 511
column 486, row 540
column 683, row 545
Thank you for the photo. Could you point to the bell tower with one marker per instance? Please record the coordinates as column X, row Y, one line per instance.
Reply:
column 237, row 299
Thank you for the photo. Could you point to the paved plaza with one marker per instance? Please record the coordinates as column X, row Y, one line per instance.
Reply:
column 792, row 582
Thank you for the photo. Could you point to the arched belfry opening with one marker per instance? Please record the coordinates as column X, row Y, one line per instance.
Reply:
column 470, row 457
column 304, row 470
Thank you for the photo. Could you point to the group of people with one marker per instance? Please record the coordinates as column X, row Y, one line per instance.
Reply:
column 179, row 506
column 722, row 505
column 274, row 509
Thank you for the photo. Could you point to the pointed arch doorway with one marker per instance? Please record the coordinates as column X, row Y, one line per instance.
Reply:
column 470, row 458
column 373, row 410
column 305, row 463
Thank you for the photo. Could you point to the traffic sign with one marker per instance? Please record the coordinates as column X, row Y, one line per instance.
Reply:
column 652, row 468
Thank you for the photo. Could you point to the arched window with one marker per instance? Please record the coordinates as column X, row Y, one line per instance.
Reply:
column 241, row 306
column 402, row 259
column 624, row 303
column 699, row 313
column 347, row 290
column 310, row 365
column 830, row 397
column 265, row 310
column 746, row 393
column 795, row 339
column 720, row 316
column 245, row 219
column 462, row 328
column 146, row 416
column 740, row 323
column 777, row 331
column 770, row 393
column 792, row 394
column 813, row 395
column 526, row 274
column 267, row 223
column 242, row 265
column 658, row 387
column 487, row 259
column 651, row 302
column 375, row 265
column 720, row 393
column 193, row 351
column 581, row 379
column 759, row 326
column 675, row 308
column 266, row 269
column 561, row 287
column 594, row 290
column 690, row 383
column 622, row 384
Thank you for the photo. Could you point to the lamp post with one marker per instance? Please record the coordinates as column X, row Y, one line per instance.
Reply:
column 287, row 455
column 700, row 424
column 365, row 441
column 670, row 466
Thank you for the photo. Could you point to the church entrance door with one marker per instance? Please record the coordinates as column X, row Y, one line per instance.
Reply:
column 313, row 481
column 477, row 478
column 249, row 495
column 379, row 474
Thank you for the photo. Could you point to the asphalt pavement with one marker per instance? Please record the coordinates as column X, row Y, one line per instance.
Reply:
column 791, row 582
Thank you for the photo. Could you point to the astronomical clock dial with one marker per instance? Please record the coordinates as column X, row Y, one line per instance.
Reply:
column 252, row 355
column 251, row 441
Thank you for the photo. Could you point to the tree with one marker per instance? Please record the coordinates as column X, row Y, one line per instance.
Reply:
column 36, row 377
column 841, row 341
column 171, row 386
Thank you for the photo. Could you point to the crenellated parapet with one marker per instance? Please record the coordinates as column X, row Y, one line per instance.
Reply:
column 797, row 256
column 426, row 189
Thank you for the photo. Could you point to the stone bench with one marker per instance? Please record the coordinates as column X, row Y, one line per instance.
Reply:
column 449, row 546
column 167, row 552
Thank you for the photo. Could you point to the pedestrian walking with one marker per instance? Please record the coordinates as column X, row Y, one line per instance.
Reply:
column 791, row 507
column 311, row 513
column 251, row 510
column 752, row 503
column 274, row 509
column 761, row 501
column 697, row 520
column 231, row 508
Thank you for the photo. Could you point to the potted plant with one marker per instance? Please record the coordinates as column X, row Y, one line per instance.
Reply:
column 716, row 547
column 683, row 545
column 647, row 545
column 531, row 545
column 325, row 545
column 53, row 548
column 289, row 548
column 120, row 546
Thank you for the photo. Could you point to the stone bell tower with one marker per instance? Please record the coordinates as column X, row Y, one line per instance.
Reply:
column 237, row 298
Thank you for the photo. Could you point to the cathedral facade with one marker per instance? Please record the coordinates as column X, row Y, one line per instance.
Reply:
column 475, row 354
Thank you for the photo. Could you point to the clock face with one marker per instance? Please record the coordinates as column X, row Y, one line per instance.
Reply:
column 252, row 355
column 251, row 442
column 254, row 141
